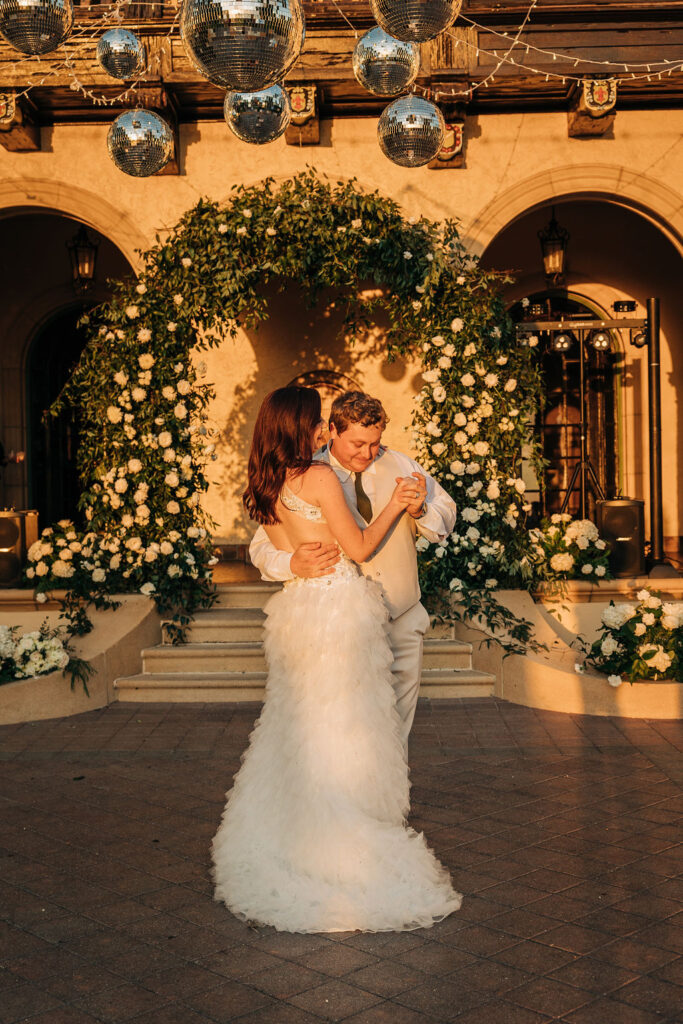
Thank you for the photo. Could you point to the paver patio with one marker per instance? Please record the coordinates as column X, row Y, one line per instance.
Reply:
column 562, row 831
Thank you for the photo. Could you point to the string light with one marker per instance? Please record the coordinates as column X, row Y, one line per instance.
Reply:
column 115, row 13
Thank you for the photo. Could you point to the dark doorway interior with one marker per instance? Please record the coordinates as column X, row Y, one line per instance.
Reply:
column 53, row 441
column 559, row 418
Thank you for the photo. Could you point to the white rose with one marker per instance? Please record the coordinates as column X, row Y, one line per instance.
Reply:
column 467, row 380
column 491, row 379
column 609, row 646
column 132, row 312
column 457, row 468
column 114, row 414
column 171, row 326
column 141, row 288
column 121, row 378
column 407, row 254
column 481, row 448
column 457, row 325
column 614, row 680
column 171, row 479
column 180, row 411
column 439, row 448
column 144, row 334
column 134, row 465
column 164, row 439
column 437, row 340
column 639, row 629
column 222, row 228
column 510, row 384
column 178, row 299
column 147, row 589
column 241, row 231
column 444, row 362
column 99, row 575
column 173, row 507
column 186, row 262
column 121, row 485
column 586, row 569
column 439, row 394
column 183, row 387
column 166, row 548
column 168, row 392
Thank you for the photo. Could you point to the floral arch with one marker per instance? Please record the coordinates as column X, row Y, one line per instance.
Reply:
column 142, row 396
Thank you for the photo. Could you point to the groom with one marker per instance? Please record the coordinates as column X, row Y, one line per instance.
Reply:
column 367, row 472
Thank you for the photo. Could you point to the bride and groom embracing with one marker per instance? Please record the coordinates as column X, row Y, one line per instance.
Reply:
column 313, row 837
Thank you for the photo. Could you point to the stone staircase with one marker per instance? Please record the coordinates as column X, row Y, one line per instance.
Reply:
column 223, row 657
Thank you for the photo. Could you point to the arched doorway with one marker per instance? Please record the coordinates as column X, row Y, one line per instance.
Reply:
column 40, row 344
column 615, row 253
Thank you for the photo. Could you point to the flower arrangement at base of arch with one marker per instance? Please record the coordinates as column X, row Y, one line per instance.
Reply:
column 639, row 642
column 145, row 453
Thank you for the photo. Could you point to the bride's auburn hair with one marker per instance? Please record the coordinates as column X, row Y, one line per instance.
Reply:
column 282, row 441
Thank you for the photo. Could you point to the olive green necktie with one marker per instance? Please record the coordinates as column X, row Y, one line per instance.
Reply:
column 362, row 500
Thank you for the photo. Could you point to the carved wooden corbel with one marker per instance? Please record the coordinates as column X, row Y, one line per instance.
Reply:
column 18, row 129
column 592, row 110
column 304, row 126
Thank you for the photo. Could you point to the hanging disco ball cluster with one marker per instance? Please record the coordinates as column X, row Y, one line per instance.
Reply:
column 247, row 47
column 386, row 62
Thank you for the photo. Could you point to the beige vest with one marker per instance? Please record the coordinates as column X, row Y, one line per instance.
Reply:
column 394, row 563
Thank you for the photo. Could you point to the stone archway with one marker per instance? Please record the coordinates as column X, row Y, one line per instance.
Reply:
column 79, row 204
column 646, row 196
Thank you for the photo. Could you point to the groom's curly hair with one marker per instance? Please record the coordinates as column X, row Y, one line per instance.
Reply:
column 357, row 407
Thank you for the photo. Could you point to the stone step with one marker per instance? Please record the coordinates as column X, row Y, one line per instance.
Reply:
column 215, row 687
column 248, row 656
column 443, row 684
column 244, row 595
column 221, row 625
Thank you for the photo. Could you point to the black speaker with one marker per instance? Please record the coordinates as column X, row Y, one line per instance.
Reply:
column 621, row 522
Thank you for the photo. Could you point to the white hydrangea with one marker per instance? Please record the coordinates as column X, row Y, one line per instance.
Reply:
column 561, row 562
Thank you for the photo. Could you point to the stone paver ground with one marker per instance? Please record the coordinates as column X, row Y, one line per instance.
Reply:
column 563, row 832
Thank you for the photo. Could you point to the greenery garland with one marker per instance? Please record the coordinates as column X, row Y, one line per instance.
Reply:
column 139, row 387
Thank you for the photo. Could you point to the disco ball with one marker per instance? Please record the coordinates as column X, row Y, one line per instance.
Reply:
column 140, row 142
column 244, row 45
column 411, row 131
column 384, row 65
column 258, row 117
column 416, row 20
column 36, row 26
column 120, row 53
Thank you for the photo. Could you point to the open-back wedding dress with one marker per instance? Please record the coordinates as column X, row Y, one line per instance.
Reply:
column 313, row 836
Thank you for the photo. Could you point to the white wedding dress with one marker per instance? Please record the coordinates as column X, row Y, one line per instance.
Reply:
column 313, row 836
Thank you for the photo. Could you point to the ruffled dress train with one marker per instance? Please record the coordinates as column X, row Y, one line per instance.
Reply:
column 313, row 835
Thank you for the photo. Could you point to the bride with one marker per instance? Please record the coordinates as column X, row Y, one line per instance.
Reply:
column 313, row 837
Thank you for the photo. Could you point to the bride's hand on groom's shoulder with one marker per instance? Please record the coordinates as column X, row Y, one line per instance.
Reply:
column 314, row 559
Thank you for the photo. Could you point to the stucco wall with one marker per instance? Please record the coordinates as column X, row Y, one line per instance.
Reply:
column 514, row 162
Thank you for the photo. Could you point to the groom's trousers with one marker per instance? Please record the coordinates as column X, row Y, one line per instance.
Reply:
column 406, row 636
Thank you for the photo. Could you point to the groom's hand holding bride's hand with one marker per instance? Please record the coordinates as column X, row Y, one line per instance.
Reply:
column 314, row 559
column 413, row 491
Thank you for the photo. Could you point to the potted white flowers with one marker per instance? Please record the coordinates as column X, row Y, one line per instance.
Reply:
column 640, row 642
column 36, row 653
